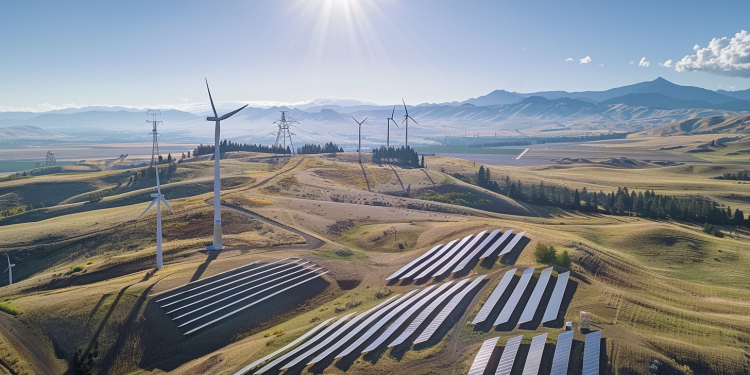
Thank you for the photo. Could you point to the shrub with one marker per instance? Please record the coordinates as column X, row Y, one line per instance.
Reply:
column 7, row 306
column 382, row 293
column 74, row 270
column 344, row 252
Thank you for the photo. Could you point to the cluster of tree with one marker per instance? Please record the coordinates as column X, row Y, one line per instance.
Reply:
column 328, row 148
column 165, row 173
column 520, row 142
column 739, row 176
column 548, row 255
column 228, row 146
column 13, row 211
column 169, row 159
column 620, row 202
column 403, row 156
column 99, row 195
column 14, row 176
column 581, row 138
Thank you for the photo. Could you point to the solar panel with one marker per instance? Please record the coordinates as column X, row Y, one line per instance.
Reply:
column 485, row 352
column 382, row 308
column 414, row 262
column 441, row 258
column 405, row 316
column 591, row 354
column 536, row 296
column 477, row 250
column 285, row 272
column 484, row 313
column 496, row 244
column 335, row 335
column 325, row 333
column 249, row 305
column 428, row 261
column 512, row 243
column 447, row 310
column 562, row 353
column 507, row 310
column 459, row 254
column 198, row 284
column 274, row 282
column 553, row 307
column 426, row 313
column 509, row 356
column 285, row 348
column 380, row 323
column 534, row 358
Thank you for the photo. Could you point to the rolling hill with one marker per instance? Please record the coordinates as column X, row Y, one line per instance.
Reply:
column 739, row 124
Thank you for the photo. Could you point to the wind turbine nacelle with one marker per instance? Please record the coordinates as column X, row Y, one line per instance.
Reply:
column 212, row 119
column 12, row 265
column 155, row 195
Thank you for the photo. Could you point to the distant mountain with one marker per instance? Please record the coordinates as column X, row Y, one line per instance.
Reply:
column 742, row 95
column 107, row 121
column 27, row 132
column 738, row 124
column 494, row 98
column 660, row 101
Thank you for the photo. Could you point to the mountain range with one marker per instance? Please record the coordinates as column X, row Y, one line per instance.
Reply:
column 637, row 107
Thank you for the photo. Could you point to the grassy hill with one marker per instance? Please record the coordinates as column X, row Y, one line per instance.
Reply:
column 738, row 124
column 660, row 290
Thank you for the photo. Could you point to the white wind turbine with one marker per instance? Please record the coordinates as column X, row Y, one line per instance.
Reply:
column 359, row 146
column 406, row 119
column 158, row 198
column 10, row 270
column 388, row 137
column 217, row 245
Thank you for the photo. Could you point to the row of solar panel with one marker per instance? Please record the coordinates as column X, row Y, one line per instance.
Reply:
column 560, row 359
column 456, row 255
column 197, row 305
column 535, row 299
column 427, row 308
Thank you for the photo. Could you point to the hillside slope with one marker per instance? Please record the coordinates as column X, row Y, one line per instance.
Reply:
column 737, row 124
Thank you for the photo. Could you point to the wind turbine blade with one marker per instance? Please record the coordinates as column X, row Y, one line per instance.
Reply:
column 415, row 121
column 355, row 120
column 166, row 204
column 405, row 110
column 211, row 99
column 402, row 122
column 394, row 111
column 230, row 114
column 363, row 121
column 147, row 208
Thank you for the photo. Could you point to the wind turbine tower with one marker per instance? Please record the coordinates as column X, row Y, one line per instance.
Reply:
column 406, row 119
column 217, row 245
column 10, row 270
column 158, row 199
column 155, row 148
column 284, row 132
column 359, row 146
column 388, row 136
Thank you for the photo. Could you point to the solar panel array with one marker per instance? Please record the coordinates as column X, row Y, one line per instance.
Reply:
column 483, row 357
column 534, row 358
column 486, row 309
column 515, row 297
column 455, row 255
column 536, row 296
column 345, row 336
column 199, row 304
column 553, row 306
column 562, row 353
column 591, row 354
column 509, row 356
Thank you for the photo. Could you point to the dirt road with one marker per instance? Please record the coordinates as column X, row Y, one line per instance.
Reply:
column 39, row 356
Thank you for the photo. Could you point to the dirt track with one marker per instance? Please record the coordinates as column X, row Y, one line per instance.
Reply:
column 312, row 242
column 44, row 362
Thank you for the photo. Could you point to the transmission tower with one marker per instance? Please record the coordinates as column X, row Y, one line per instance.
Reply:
column 284, row 132
column 51, row 160
column 154, row 123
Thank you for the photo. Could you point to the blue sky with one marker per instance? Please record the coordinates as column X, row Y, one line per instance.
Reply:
column 142, row 53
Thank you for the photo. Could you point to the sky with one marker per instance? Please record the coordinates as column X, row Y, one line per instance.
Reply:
column 146, row 53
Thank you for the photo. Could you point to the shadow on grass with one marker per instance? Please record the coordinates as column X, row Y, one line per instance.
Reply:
column 212, row 255
column 518, row 310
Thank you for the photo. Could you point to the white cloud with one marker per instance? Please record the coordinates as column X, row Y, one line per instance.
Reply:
column 569, row 59
column 667, row 64
column 725, row 56
column 601, row 64
column 585, row 60
column 183, row 99
column 632, row 62
column 696, row 47
column 644, row 63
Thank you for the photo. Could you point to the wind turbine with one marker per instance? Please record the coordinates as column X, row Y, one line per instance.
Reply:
column 10, row 270
column 388, row 137
column 359, row 147
column 406, row 119
column 158, row 198
column 217, row 245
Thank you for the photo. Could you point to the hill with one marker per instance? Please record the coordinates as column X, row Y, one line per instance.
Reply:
column 739, row 124
column 27, row 132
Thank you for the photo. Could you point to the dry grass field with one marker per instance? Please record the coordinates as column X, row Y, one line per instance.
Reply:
column 658, row 290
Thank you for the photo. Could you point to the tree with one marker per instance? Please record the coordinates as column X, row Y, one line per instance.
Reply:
column 545, row 254
column 563, row 260
column 576, row 200
column 422, row 166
